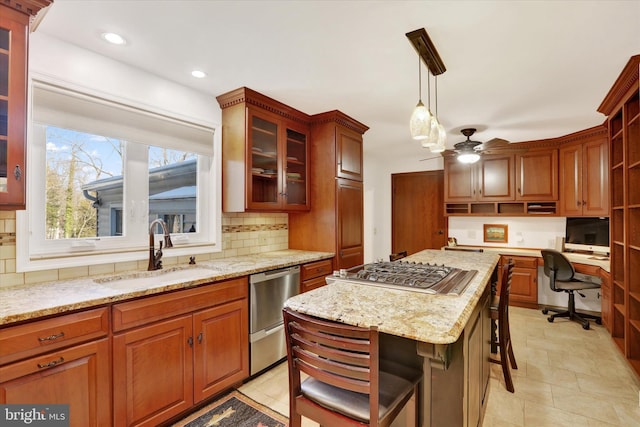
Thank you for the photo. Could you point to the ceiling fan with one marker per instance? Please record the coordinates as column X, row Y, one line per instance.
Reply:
column 469, row 151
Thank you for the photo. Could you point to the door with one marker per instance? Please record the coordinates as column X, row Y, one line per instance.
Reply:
column 417, row 221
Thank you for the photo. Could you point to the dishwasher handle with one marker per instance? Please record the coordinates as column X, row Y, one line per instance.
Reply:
column 273, row 274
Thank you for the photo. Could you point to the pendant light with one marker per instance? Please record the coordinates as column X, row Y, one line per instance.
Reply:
column 420, row 123
column 432, row 137
column 441, row 141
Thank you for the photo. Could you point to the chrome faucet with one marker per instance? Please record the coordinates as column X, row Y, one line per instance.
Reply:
column 155, row 258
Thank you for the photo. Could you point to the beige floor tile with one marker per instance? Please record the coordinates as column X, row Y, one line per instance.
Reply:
column 566, row 376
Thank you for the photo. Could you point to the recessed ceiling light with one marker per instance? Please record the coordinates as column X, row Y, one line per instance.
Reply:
column 114, row 38
column 198, row 74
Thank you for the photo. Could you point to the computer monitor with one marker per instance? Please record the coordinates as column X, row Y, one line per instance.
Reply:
column 587, row 234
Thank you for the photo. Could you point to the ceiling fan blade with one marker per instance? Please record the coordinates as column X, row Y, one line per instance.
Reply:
column 437, row 156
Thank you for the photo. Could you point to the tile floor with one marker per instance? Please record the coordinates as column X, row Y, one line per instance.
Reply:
column 566, row 377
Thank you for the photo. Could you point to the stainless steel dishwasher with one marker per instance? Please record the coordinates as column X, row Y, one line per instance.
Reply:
column 267, row 293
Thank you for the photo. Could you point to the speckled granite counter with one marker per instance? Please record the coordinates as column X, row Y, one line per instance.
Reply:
column 437, row 319
column 588, row 259
column 28, row 302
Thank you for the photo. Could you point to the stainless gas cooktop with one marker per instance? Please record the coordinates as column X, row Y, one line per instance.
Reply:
column 411, row 276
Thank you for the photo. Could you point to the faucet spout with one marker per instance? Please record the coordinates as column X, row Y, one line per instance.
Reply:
column 155, row 258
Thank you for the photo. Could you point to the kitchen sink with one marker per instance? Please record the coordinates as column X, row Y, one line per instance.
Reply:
column 148, row 279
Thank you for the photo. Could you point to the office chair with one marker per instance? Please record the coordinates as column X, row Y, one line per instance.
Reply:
column 348, row 383
column 499, row 310
column 561, row 279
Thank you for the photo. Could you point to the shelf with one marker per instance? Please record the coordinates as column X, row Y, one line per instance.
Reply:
column 264, row 131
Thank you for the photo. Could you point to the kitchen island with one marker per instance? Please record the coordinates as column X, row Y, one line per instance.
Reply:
column 448, row 335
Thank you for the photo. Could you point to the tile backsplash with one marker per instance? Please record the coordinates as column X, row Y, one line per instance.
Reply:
column 242, row 234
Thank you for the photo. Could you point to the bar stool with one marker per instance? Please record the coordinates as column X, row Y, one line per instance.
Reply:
column 348, row 383
column 500, row 313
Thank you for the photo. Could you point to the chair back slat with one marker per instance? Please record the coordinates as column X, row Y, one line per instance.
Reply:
column 341, row 357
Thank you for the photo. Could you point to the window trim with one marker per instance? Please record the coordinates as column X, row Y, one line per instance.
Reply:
column 84, row 251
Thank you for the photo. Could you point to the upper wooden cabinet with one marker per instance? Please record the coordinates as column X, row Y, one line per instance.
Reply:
column 537, row 175
column 584, row 176
column 265, row 154
column 335, row 221
column 490, row 179
column 14, row 37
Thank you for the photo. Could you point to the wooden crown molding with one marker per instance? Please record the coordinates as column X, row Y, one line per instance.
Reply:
column 336, row 116
column 627, row 79
column 251, row 97
column 28, row 7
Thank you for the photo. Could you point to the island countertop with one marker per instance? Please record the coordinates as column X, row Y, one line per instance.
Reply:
column 436, row 319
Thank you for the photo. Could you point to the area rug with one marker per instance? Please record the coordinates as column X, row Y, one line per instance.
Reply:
column 234, row 410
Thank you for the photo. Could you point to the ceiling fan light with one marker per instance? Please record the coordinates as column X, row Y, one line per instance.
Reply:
column 420, row 123
column 468, row 158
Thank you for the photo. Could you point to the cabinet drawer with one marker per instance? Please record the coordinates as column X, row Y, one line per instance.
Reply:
column 30, row 339
column 316, row 282
column 591, row 270
column 316, row 269
column 151, row 309
column 521, row 261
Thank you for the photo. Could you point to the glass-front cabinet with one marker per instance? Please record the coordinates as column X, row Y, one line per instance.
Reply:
column 265, row 165
column 277, row 165
column 12, row 108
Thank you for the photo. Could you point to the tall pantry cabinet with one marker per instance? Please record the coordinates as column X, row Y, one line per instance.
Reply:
column 622, row 106
column 335, row 221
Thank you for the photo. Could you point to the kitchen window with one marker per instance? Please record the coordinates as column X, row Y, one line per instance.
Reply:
column 99, row 172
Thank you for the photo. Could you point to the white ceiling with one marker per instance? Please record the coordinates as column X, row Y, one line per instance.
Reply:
column 516, row 70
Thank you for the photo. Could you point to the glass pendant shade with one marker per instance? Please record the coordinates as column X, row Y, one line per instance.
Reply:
column 439, row 147
column 432, row 139
column 420, row 123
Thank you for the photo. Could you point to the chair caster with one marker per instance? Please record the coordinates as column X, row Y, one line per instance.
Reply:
column 549, row 319
column 599, row 321
column 545, row 311
column 585, row 326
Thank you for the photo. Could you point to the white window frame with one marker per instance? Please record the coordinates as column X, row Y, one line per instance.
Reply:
column 34, row 252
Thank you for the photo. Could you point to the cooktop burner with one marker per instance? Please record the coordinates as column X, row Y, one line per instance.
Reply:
column 428, row 278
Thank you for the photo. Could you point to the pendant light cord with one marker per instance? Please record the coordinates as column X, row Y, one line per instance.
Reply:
column 436, row 82
column 419, row 80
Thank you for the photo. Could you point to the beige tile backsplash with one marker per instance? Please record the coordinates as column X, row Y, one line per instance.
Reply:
column 242, row 234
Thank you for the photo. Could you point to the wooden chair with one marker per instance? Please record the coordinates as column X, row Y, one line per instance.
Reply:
column 348, row 384
column 500, row 312
column 397, row 255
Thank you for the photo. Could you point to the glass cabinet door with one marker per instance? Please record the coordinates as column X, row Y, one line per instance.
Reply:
column 296, row 169
column 4, row 106
column 263, row 161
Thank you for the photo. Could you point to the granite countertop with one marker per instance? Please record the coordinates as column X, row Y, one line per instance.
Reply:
column 588, row 259
column 437, row 319
column 29, row 302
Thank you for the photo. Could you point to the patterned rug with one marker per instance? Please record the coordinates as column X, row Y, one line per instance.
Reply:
column 234, row 410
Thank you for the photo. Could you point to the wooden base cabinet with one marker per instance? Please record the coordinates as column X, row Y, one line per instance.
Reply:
column 77, row 376
column 190, row 346
column 312, row 275
column 524, row 281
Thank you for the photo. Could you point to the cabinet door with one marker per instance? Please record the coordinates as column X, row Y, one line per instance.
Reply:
column 495, row 178
column 595, row 173
column 537, row 175
column 153, row 373
column 296, row 173
column 221, row 355
column 349, row 211
column 524, row 287
column 264, row 180
column 13, row 107
column 349, row 154
column 459, row 181
column 571, row 181
column 77, row 376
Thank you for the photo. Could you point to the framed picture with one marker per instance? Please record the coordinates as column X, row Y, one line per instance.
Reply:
column 496, row 233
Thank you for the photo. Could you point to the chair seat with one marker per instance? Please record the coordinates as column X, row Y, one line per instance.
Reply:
column 392, row 389
column 575, row 285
